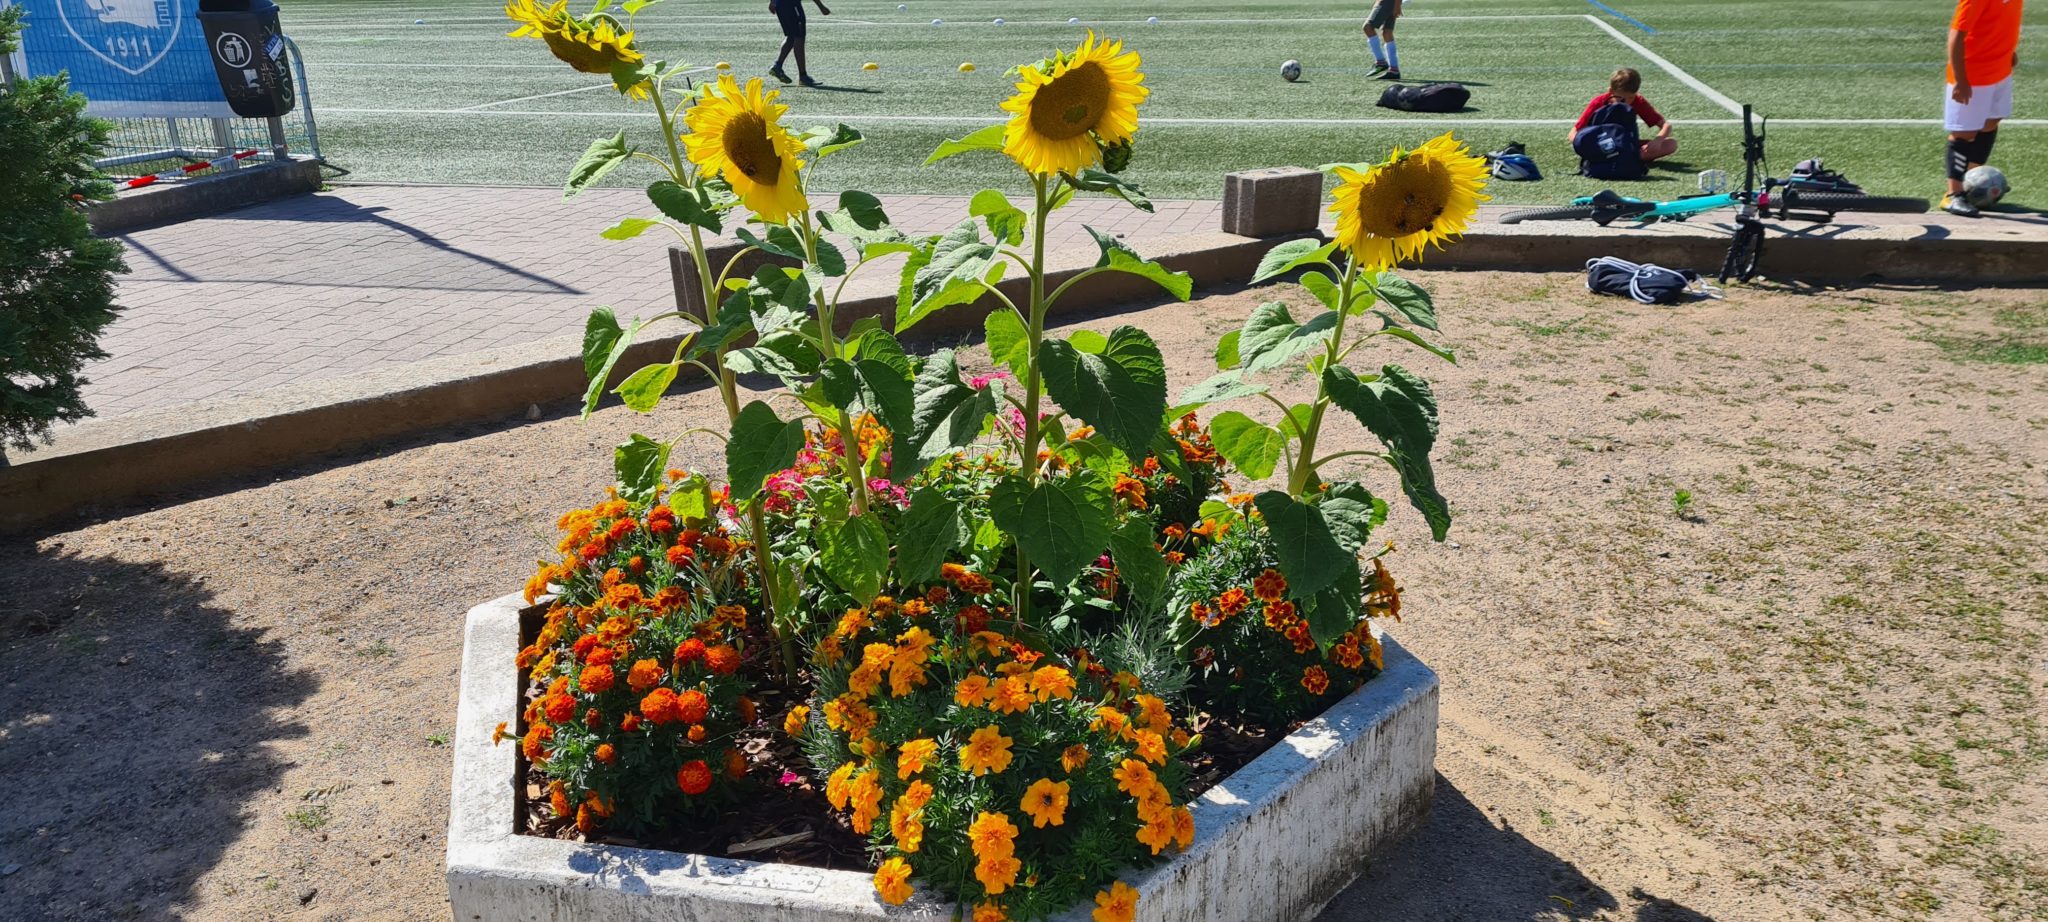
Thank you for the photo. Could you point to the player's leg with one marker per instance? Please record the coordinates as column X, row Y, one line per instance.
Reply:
column 1393, row 56
column 788, row 45
column 1965, row 123
column 1659, row 148
column 1373, row 22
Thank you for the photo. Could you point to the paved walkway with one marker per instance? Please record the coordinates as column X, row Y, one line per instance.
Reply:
column 368, row 277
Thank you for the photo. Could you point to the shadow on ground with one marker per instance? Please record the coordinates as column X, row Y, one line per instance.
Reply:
column 1460, row 866
column 133, row 722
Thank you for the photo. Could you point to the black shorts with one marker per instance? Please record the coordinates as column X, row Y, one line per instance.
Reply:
column 1382, row 15
column 791, row 14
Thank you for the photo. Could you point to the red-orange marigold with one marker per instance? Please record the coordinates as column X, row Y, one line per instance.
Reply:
column 694, row 777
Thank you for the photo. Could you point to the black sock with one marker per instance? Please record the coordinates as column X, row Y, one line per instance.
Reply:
column 1984, row 141
column 1959, row 157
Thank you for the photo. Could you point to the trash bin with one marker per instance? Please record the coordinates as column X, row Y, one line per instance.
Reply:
column 248, row 55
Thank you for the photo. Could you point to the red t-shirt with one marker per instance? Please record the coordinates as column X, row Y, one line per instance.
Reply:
column 1648, row 113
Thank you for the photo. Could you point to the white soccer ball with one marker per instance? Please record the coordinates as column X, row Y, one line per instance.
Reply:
column 1290, row 71
column 419, row 22
column 999, row 20
column 1073, row 20
column 903, row 6
column 938, row 22
column 1984, row 186
column 1154, row 20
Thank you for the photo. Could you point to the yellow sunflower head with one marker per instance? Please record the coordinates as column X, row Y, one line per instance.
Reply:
column 592, row 45
column 1066, row 109
column 737, row 134
column 1389, row 213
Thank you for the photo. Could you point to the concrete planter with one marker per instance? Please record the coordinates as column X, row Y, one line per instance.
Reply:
column 1276, row 840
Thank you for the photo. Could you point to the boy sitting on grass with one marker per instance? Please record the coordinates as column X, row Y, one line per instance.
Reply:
column 1625, row 88
column 1379, row 25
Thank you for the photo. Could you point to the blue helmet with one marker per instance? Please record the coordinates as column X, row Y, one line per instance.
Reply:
column 1515, row 168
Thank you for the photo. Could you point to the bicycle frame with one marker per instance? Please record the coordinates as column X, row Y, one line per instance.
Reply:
column 1679, row 209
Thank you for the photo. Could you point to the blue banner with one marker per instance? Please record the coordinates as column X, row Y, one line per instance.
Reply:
column 131, row 58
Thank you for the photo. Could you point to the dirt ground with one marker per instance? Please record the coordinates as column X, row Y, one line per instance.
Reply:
column 1816, row 691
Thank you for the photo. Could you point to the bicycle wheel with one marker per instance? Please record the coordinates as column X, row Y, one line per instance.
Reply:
column 1745, row 252
column 1836, row 202
column 1571, row 213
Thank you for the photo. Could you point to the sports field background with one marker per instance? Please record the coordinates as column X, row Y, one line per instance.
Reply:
column 1857, row 82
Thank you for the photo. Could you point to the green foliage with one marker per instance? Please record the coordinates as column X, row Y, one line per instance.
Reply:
column 56, row 278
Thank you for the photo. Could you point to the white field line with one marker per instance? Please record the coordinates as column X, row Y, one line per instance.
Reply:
column 486, row 106
column 1698, row 85
column 764, row 21
column 1169, row 120
column 316, row 65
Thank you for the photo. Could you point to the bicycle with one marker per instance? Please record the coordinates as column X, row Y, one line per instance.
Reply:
column 1811, row 193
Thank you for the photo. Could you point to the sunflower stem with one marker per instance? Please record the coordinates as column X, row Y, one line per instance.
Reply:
column 1304, row 462
column 828, row 340
column 1028, row 456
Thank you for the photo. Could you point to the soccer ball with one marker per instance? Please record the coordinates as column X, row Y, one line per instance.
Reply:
column 1290, row 71
column 1984, row 186
column 1152, row 20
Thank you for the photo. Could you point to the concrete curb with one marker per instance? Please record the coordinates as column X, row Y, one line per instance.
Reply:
column 1276, row 840
column 165, row 203
column 130, row 458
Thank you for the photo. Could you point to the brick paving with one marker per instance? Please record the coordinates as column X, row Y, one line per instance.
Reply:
column 370, row 277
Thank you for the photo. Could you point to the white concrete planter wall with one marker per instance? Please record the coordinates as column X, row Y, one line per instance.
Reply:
column 1276, row 840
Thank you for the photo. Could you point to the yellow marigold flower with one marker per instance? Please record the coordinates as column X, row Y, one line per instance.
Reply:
column 592, row 45
column 835, row 785
column 972, row 691
column 1074, row 757
column 1389, row 213
column 1081, row 100
column 987, row 750
column 1151, row 746
column 988, row 641
column 1052, row 682
column 1154, row 802
column 997, row 873
column 865, row 793
column 1012, row 695
column 798, row 718
column 892, row 881
column 904, row 677
column 1157, row 833
column 906, row 825
column 990, row 912
column 1119, row 903
column 852, row 622
column 914, row 645
column 912, row 757
column 992, row 835
column 737, row 134
column 1153, row 710
column 1134, row 777
column 1046, row 802
column 916, row 795
column 1183, row 827
column 1110, row 720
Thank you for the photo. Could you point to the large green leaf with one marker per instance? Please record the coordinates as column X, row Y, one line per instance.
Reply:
column 1353, row 512
column 781, row 241
column 1400, row 332
column 836, row 382
column 860, row 218
column 959, row 264
column 1229, row 385
column 643, row 390
column 1063, row 526
column 640, row 463
column 990, row 138
column 735, row 321
column 1118, row 257
column 1309, row 554
column 603, row 156
column 947, row 414
column 1292, row 255
column 1227, row 354
column 1121, row 392
column 1408, row 298
column 1138, row 560
column 603, row 345
column 931, row 528
column 1333, row 611
column 1009, row 343
column 1325, row 290
column 1271, row 338
column 1399, row 408
column 761, row 444
column 888, row 392
column 1252, row 446
column 1099, row 181
column 852, row 549
column 825, row 140
column 685, row 205
column 879, row 345
column 1006, row 222
column 628, row 228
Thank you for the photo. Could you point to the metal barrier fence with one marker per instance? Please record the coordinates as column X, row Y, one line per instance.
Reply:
column 150, row 146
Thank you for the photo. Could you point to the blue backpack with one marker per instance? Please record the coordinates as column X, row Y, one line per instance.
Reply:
column 1608, row 147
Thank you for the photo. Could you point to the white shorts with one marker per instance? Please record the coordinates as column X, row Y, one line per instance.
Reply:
column 1986, row 103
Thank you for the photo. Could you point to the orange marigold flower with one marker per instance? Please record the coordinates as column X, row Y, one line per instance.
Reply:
column 558, row 798
column 1131, row 490
column 692, row 707
column 679, row 555
column 733, row 616
column 1046, row 802
column 1073, row 757
column 865, row 793
column 916, row 608
column 1233, row 602
column 1119, row 903
column 1183, row 827
column 1280, row 614
column 1157, row 833
column 534, row 745
column 561, row 708
column 836, row 785
column 937, row 595
column 607, row 753
column 689, row 651
column 630, row 723
column 989, row 912
column 1315, row 680
column 992, row 835
column 696, row 733
column 735, row 764
column 1150, row 746
column 1175, row 558
column 997, row 873
column 722, row 659
column 1346, row 654
column 1134, row 777
column 916, row 795
column 694, row 777
column 1303, row 639
column 906, row 825
column 1203, row 614
column 747, row 710
column 912, row 757
column 592, row 719
column 796, row 720
column 586, row 819
column 892, row 881
column 1110, row 720
column 1012, row 695
column 644, row 675
column 1052, row 682
column 499, row 735
column 987, row 750
column 972, row 691
column 659, row 706
column 637, row 564
column 1154, row 712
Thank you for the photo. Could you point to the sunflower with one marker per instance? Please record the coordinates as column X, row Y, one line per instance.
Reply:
column 736, row 134
column 1390, row 212
column 593, row 45
column 1070, row 107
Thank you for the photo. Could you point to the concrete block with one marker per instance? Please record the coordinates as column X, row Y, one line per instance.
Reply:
column 1276, row 840
column 167, row 203
column 1272, row 202
column 690, row 292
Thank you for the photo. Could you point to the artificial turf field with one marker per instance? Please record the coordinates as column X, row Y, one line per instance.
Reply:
column 1858, row 82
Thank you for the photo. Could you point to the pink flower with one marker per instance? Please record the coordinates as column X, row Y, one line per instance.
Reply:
column 980, row 382
column 789, row 778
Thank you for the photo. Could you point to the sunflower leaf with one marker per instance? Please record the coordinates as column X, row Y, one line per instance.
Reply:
column 946, row 414
column 1227, row 356
column 1229, row 385
column 1309, row 554
column 989, row 138
column 1304, row 338
column 628, row 228
column 1399, row 408
column 685, row 205
column 735, row 321
column 639, row 464
column 1138, row 560
column 1121, row 392
column 1251, row 446
column 603, row 156
column 1292, row 255
column 860, row 218
column 1119, row 257
column 1400, row 332
column 953, row 273
column 826, row 140
column 761, row 444
column 1099, row 181
column 830, row 261
column 1323, row 288
column 643, row 390
column 1009, row 343
column 1005, row 221
column 1063, row 525
column 1408, row 298
column 931, row 528
column 603, row 345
